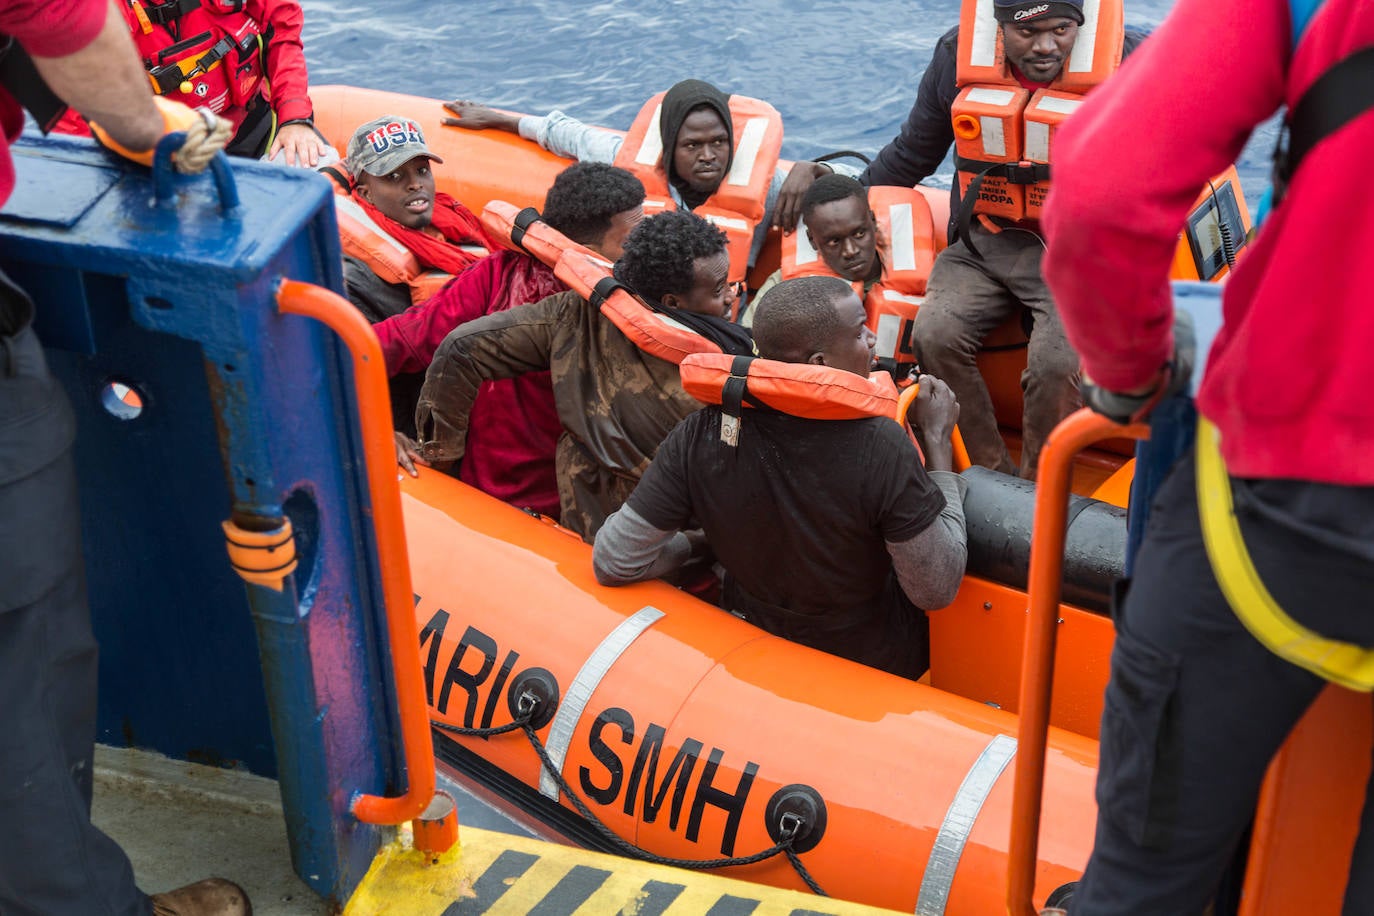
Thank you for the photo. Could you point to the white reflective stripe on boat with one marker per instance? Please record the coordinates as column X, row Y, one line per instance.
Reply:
column 1081, row 58
column 806, row 254
column 984, row 50
column 747, row 152
column 903, row 239
column 651, row 148
column 351, row 207
column 580, row 691
column 958, row 824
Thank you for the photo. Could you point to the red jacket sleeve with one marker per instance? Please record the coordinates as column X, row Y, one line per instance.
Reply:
column 1129, row 164
column 53, row 28
column 286, row 71
column 410, row 339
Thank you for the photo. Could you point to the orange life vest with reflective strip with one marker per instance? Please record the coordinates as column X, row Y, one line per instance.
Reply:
column 1004, row 133
column 739, row 202
column 525, row 229
column 907, row 243
column 799, row 389
column 657, row 334
column 388, row 259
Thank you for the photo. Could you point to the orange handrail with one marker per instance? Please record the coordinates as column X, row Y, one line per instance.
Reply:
column 374, row 406
column 1048, row 533
column 956, row 439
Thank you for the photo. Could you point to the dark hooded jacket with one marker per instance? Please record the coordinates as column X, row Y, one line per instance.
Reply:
column 678, row 102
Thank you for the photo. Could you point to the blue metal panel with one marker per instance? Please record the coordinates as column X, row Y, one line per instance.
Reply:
column 245, row 413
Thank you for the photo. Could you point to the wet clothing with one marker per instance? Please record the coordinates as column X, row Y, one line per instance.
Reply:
column 966, row 298
column 514, row 427
column 615, row 402
column 800, row 514
column 1285, row 383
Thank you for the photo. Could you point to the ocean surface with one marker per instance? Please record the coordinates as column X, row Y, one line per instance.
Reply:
column 844, row 75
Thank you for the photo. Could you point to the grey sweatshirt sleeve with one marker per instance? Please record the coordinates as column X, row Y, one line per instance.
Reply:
column 930, row 566
column 629, row 549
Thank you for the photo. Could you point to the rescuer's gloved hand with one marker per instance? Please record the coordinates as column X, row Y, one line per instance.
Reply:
column 1172, row 378
column 206, row 135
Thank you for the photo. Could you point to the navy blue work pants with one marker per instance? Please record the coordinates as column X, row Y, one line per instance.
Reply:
column 53, row 861
column 1196, row 707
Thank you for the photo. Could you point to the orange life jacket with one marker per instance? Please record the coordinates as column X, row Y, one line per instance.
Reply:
column 388, row 259
column 1004, row 133
column 906, row 245
column 799, row 389
column 657, row 334
column 739, row 202
column 218, row 63
column 525, row 229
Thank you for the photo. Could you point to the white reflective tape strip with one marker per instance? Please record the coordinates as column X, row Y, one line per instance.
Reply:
column 579, row 693
column 893, row 296
column 806, row 254
column 958, row 824
column 654, row 203
column 903, row 237
column 651, row 149
column 1037, row 141
column 728, row 222
column 350, row 206
column 984, row 51
column 986, row 96
column 1081, row 60
column 889, row 328
column 747, row 152
column 994, row 140
column 1058, row 105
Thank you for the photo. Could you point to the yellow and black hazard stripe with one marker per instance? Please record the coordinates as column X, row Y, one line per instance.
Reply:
column 496, row 873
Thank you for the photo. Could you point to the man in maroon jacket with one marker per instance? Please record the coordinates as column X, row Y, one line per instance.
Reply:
column 52, row 859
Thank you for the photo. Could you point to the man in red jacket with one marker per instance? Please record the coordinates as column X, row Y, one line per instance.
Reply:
column 52, row 859
column 1206, row 680
column 514, row 428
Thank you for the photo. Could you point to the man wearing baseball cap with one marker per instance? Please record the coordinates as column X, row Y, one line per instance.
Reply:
column 394, row 185
column 992, row 270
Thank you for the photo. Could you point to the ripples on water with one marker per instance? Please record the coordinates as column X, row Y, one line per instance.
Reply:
column 843, row 75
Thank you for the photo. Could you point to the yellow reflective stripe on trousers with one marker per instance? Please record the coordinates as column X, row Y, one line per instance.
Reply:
column 1339, row 662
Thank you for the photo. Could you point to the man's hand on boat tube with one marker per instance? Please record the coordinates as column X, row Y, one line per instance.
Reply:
column 1135, row 405
column 787, row 211
column 299, row 143
column 408, row 454
column 476, row 116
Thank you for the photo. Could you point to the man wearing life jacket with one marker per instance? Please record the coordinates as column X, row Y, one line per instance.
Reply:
column 615, row 401
column 242, row 59
column 52, row 858
column 992, row 270
column 831, row 532
column 514, row 427
column 1252, row 587
column 394, row 186
column 687, row 142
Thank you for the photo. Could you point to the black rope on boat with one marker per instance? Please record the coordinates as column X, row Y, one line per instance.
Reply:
column 789, row 827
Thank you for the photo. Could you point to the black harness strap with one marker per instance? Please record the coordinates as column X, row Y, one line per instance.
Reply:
column 1023, row 173
column 1338, row 96
column 163, row 13
column 734, row 394
column 603, row 290
column 523, row 220
column 339, row 177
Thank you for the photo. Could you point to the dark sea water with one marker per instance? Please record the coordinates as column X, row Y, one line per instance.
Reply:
column 843, row 75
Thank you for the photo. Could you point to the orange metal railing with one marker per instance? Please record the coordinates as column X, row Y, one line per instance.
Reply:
column 369, row 374
column 904, row 402
column 1048, row 534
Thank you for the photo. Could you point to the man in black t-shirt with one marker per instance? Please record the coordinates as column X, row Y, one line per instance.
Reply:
column 831, row 532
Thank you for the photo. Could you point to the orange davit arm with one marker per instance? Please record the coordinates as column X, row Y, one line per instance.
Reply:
column 1075, row 433
column 369, row 375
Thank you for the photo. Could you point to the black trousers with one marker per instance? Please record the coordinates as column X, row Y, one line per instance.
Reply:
column 52, row 860
column 1196, row 707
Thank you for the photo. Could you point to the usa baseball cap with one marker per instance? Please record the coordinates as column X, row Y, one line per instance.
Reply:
column 384, row 144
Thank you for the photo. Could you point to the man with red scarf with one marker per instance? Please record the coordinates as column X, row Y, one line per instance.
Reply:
column 394, row 185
